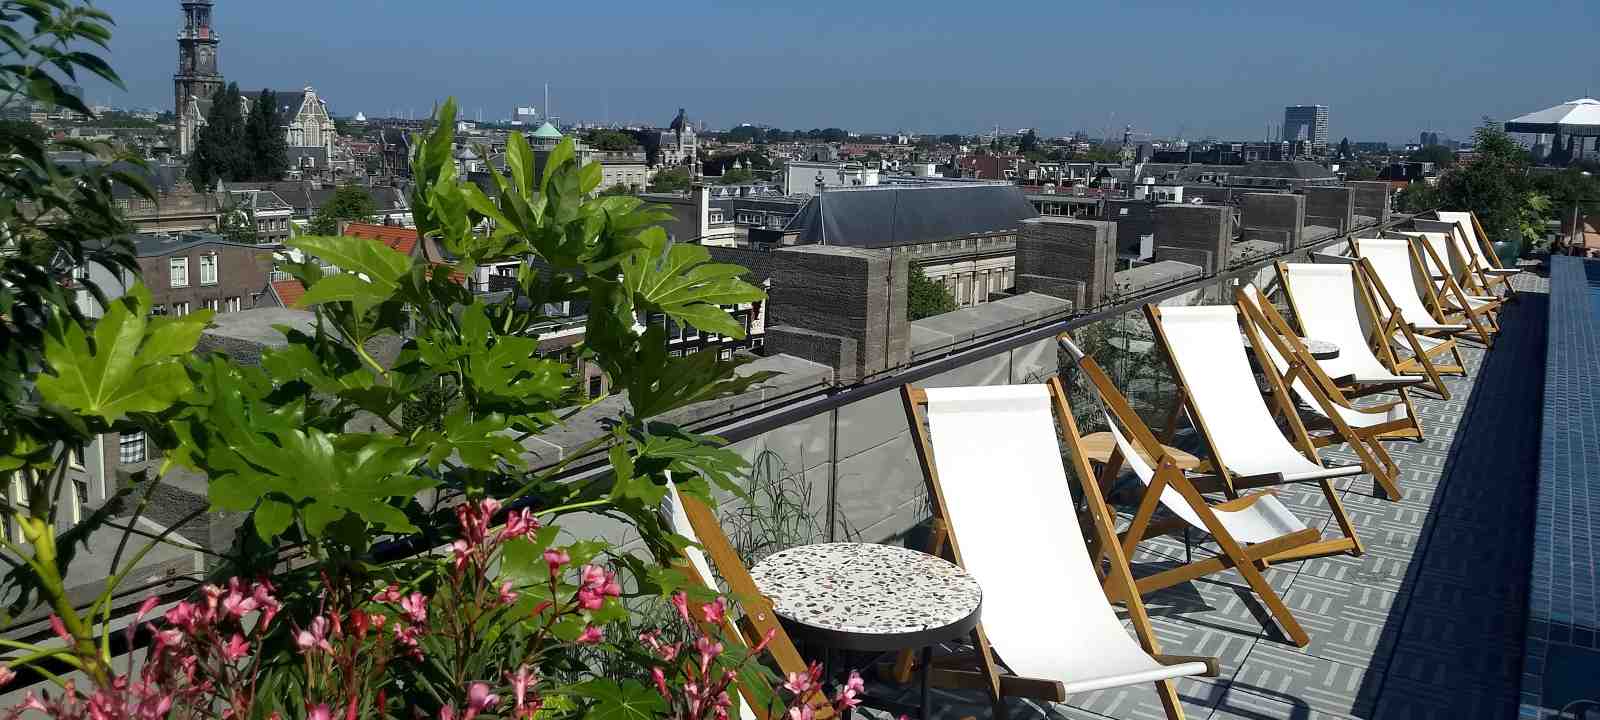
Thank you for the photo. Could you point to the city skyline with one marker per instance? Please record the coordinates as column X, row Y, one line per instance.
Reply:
column 380, row 59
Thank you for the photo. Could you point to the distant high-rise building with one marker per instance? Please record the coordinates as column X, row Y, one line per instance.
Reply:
column 525, row 115
column 1430, row 138
column 1306, row 122
column 197, row 78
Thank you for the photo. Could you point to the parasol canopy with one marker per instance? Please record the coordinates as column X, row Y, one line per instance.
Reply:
column 1574, row 117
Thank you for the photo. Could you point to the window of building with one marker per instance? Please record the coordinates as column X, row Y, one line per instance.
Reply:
column 234, row 304
column 596, row 386
column 75, row 457
column 80, row 488
column 213, row 304
column 727, row 354
column 131, row 448
column 208, row 269
column 180, row 309
column 178, row 270
column 158, row 309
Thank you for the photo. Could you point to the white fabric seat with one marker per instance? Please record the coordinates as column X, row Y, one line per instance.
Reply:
column 1327, row 305
column 1260, row 521
column 1354, row 417
column 1205, row 346
column 1469, row 232
column 1391, row 262
column 1010, row 509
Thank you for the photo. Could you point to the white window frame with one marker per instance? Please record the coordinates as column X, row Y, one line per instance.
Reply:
column 234, row 304
column 208, row 262
column 212, row 304
column 180, row 309
column 177, row 267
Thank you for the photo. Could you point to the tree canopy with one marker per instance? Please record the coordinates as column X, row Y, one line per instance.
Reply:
column 611, row 140
column 349, row 202
column 926, row 298
column 670, row 180
column 736, row 176
column 266, row 148
column 235, row 148
column 1436, row 154
column 219, row 152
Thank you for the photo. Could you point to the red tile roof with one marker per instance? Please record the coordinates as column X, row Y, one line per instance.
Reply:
column 288, row 291
column 398, row 238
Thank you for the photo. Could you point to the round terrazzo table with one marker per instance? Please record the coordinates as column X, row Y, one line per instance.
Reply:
column 1321, row 349
column 867, row 597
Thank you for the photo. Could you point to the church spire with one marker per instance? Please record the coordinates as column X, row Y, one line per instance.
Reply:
column 197, row 78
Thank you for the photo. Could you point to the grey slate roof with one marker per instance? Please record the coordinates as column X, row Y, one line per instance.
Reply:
column 891, row 216
column 1286, row 169
column 159, row 245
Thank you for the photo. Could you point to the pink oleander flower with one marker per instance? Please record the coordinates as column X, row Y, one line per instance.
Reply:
column 145, row 607
column 320, row 712
column 709, row 649
column 801, row 683
column 715, row 611
column 660, row 679
column 314, row 637
column 803, row 711
column 236, row 648
column 521, row 523
column 590, row 599
column 415, row 607
column 592, row 635
column 460, row 554
column 556, row 558
column 521, row 681
column 508, row 595
column 479, row 699
column 389, row 594
column 850, row 696
column 680, row 602
column 7, row 675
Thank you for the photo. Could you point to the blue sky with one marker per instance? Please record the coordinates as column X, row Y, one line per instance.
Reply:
column 1387, row 69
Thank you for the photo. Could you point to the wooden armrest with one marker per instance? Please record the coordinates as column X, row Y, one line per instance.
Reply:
column 1245, row 501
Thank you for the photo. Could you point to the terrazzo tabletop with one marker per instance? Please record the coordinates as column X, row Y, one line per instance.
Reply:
column 867, row 589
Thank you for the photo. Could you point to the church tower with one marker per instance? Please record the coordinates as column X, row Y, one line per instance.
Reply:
column 197, row 78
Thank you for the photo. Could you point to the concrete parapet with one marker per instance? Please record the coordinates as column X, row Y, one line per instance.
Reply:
column 855, row 295
column 1195, row 234
column 1070, row 259
column 1371, row 199
column 1333, row 207
column 1273, row 217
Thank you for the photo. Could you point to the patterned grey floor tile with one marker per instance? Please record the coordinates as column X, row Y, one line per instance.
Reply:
column 1139, row 702
column 1223, row 601
column 1468, row 667
column 1240, row 705
column 1322, row 685
column 1348, row 623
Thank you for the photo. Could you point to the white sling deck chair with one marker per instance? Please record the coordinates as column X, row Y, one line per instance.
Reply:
column 1448, row 270
column 1003, row 510
column 1251, row 531
column 690, row 518
column 1330, row 302
column 1393, row 274
column 1204, row 349
column 1332, row 412
column 1464, row 267
column 1495, row 275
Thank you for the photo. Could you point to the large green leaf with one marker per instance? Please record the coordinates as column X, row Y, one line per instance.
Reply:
column 379, row 262
column 628, row 700
column 133, row 365
column 681, row 281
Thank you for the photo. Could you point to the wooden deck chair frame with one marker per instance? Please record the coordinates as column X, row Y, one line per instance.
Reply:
column 1283, row 401
column 1472, row 277
column 1118, row 575
column 1365, row 442
column 1484, row 257
column 1272, row 321
column 1423, row 361
column 1383, row 351
column 1449, row 291
column 1249, row 560
column 758, row 617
